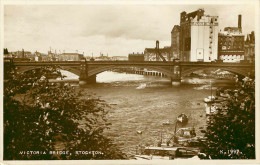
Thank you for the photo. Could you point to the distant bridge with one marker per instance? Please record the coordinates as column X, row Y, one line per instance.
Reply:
column 87, row 70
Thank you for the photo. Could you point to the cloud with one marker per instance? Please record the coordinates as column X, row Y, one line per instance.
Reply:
column 131, row 22
column 112, row 29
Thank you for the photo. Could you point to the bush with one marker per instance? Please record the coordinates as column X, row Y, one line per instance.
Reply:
column 40, row 115
column 231, row 132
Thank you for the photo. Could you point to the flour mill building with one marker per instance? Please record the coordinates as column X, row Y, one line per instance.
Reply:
column 198, row 37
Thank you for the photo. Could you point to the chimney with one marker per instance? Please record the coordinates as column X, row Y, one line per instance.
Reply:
column 157, row 44
column 239, row 22
column 183, row 17
column 22, row 53
column 200, row 13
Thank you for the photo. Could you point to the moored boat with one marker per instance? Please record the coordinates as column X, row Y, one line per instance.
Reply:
column 166, row 153
column 182, row 118
column 209, row 99
column 141, row 86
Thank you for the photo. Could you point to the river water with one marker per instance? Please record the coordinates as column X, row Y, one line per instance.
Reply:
column 142, row 103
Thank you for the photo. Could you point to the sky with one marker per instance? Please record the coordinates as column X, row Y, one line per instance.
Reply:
column 114, row 30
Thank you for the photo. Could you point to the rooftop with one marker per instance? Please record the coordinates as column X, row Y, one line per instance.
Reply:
column 69, row 54
column 226, row 33
column 177, row 27
column 154, row 50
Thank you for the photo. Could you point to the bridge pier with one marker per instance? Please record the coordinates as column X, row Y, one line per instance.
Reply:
column 84, row 78
column 175, row 82
column 83, row 74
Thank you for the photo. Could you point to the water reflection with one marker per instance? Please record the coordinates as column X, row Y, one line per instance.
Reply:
column 125, row 79
column 109, row 76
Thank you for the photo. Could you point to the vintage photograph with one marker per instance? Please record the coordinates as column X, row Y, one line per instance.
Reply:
column 129, row 81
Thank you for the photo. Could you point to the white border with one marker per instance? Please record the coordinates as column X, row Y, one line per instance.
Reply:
column 135, row 2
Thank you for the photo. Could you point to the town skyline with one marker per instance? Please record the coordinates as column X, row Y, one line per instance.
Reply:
column 109, row 29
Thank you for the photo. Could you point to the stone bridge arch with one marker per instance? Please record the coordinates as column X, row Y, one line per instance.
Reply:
column 74, row 70
column 240, row 71
column 97, row 70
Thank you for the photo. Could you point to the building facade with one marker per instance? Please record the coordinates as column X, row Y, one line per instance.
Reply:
column 53, row 56
column 198, row 37
column 136, row 57
column 175, row 42
column 70, row 57
column 231, row 44
column 119, row 58
column 102, row 57
column 250, row 47
column 37, row 56
column 23, row 55
column 151, row 54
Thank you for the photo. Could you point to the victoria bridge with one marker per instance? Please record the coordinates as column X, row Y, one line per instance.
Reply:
column 87, row 70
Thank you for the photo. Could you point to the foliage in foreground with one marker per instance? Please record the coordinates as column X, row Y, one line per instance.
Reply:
column 44, row 116
column 231, row 132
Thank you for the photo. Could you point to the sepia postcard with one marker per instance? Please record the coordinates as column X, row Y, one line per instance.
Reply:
column 129, row 82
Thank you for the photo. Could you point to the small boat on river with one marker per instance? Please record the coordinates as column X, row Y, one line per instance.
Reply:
column 182, row 118
column 209, row 99
column 167, row 122
column 141, row 86
column 225, row 95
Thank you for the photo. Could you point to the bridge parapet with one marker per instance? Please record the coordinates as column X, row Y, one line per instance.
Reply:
column 87, row 70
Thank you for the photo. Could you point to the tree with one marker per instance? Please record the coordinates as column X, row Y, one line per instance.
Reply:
column 40, row 115
column 231, row 131
column 6, row 51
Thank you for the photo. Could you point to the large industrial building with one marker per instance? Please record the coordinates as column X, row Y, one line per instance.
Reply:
column 198, row 37
column 175, row 42
column 231, row 43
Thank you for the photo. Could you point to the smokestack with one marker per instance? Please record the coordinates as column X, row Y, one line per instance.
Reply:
column 157, row 44
column 239, row 22
column 22, row 53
